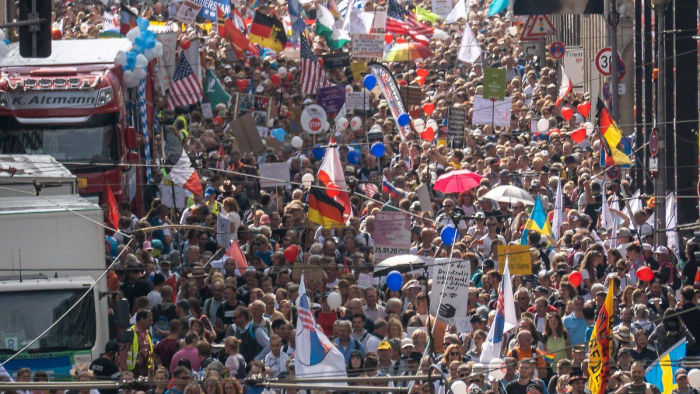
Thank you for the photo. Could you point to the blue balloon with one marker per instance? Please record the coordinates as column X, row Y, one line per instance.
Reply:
column 404, row 120
column 318, row 152
column 150, row 43
column 140, row 41
column 353, row 156
column 278, row 134
column 142, row 23
column 394, row 280
column 148, row 34
column 370, row 81
column 448, row 235
column 378, row 149
column 6, row 41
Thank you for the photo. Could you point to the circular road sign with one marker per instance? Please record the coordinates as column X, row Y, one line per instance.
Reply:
column 557, row 50
column 602, row 61
column 654, row 143
column 606, row 91
column 313, row 118
column 621, row 69
column 613, row 172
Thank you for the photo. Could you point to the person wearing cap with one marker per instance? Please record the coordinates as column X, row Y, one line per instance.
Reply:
column 681, row 376
column 385, row 363
column 105, row 367
column 667, row 271
column 210, row 201
column 577, row 381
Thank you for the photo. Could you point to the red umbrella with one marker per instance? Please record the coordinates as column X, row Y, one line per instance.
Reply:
column 457, row 181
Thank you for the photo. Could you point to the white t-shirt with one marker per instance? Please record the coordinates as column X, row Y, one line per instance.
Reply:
column 485, row 247
column 277, row 364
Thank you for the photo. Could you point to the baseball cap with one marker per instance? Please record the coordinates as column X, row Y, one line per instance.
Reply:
column 661, row 250
column 680, row 372
column 265, row 219
column 534, row 387
column 147, row 245
column 477, row 319
column 647, row 247
column 384, row 345
column 209, row 191
column 406, row 342
column 111, row 347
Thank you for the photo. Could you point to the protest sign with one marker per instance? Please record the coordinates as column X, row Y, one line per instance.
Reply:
column 295, row 120
column 456, row 118
column 110, row 21
column 494, row 83
column 367, row 280
column 519, row 261
column 188, row 12
column 166, row 63
column 312, row 273
column 246, row 134
column 442, row 7
column 369, row 46
column 379, row 23
column 331, row 98
column 336, row 60
column 209, row 7
column 450, row 292
column 173, row 196
column 358, row 68
column 274, row 174
column 488, row 112
column 392, row 235
column 223, row 231
column 411, row 95
column 353, row 101
column 424, row 198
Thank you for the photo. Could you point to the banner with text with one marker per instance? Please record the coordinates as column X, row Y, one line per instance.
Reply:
column 450, row 292
column 392, row 235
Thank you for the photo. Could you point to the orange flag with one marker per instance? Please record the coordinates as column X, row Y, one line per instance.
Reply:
column 234, row 252
column 113, row 209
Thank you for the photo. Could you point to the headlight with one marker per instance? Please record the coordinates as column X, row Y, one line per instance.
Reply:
column 4, row 102
column 105, row 96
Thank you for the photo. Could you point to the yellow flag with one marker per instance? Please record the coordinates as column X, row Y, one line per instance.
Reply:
column 599, row 347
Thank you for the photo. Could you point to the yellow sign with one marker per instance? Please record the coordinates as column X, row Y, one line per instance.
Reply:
column 82, row 183
column 358, row 67
column 519, row 260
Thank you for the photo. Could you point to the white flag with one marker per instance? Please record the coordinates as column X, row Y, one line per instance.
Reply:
column 671, row 223
column 223, row 231
column 504, row 321
column 459, row 11
column 565, row 87
column 358, row 21
column 558, row 218
column 469, row 49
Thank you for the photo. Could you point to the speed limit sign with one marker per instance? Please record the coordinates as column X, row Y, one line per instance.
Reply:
column 603, row 60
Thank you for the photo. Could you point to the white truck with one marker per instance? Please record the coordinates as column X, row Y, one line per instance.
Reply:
column 53, row 250
column 23, row 174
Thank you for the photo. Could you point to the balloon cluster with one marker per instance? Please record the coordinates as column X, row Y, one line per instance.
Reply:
column 145, row 49
column 4, row 42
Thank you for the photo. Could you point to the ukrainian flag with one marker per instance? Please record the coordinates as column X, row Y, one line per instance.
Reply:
column 662, row 372
column 537, row 221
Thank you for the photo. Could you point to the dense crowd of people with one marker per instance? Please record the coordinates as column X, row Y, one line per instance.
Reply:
column 201, row 323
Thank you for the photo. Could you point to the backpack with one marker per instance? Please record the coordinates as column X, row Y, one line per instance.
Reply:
column 249, row 347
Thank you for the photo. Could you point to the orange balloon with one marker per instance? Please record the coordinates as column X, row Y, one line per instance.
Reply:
column 422, row 72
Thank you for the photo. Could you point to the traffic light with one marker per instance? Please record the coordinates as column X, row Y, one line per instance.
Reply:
column 35, row 39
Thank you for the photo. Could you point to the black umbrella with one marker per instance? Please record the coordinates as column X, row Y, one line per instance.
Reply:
column 402, row 263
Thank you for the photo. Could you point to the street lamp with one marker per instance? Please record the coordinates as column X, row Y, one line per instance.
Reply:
column 660, row 190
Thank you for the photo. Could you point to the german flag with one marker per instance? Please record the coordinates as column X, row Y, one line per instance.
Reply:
column 324, row 210
column 227, row 29
column 268, row 32
column 611, row 135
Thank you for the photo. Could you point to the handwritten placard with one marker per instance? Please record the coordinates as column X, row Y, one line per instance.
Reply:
column 274, row 174
column 358, row 68
column 519, row 261
column 392, row 235
column 354, row 101
column 487, row 112
column 379, row 23
column 369, row 46
column 367, row 280
column 449, row 297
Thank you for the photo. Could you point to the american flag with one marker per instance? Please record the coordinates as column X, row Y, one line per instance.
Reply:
column 400, row 21
column 312, row 75
column 185, row 88
column 370, row 189
column 307, row 319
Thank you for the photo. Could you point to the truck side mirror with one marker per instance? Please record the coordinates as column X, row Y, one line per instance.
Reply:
column 130, row 138
column 121, row 312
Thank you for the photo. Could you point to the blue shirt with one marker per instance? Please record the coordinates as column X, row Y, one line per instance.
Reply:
column 352, row 346
column 576, row 326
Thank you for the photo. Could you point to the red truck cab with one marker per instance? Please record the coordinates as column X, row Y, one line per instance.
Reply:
column 75, row 107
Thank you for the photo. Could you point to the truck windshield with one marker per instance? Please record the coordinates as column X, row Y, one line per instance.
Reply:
column 92, row 141
column 28, row 314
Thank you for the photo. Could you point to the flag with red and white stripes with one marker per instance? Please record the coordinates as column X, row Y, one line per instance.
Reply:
column 185, row 88
column 370, row 189
column 400, row 21
column 312, row 75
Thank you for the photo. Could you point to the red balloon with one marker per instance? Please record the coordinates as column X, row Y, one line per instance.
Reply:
column 56, row 35
column 567, row 113
column 333, row 190
column 575, row 278
column 422, row 72
column 185, row 44
column 584, row 108
column 420, row 80
column 276, row 80
column 401, row 40
column 388, row 38
column 578, row 135
column 428, row 134
column 242, row 84
column 609, row 161
column 403, row 82
column 289, row 77
column 645, row 274
column 291, row 253
column 428, row 108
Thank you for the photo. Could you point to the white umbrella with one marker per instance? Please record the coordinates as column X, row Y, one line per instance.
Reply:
column 439, row 34
column 402, row 263
column 509, row 194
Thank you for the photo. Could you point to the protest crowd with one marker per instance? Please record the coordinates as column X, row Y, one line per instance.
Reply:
column 215, row 292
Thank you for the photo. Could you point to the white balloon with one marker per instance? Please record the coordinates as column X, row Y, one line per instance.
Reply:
column 141, row 61
column 542, row 125
column 150, row 54
column 326, row 126
column 694, row 378
column 590, row 127
column 54, row 26
column 3, row 48
column 139, row 74
column 334, row 300
column 307, row 180
column 375, row 129
column 282, row 72
column 84, row 27
column 133, row 33
column 355, row 123
column 120, row 59
column 343, row 123
column 432, row 124
column 459, row 387
column 158, row 49
column 418, row 125
column 497, row 368
column 297, row 142
column 128, row 77
column 2, row 32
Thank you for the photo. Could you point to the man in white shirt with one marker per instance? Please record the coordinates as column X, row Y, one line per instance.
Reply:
column 371, row 309
column 276, row 360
